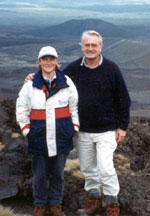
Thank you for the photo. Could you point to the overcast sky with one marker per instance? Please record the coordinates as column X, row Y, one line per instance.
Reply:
column 39, row 5
column 62, row 10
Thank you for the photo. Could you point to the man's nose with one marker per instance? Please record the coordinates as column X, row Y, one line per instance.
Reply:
column 90, row 46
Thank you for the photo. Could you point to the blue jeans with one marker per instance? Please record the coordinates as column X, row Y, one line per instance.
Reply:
column 48, row 179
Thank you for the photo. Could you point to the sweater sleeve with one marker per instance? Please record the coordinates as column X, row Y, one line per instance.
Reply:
column 122, row 99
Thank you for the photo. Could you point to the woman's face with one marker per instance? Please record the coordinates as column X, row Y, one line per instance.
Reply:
column 48, row 64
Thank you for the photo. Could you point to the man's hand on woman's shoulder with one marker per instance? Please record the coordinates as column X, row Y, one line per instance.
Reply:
column 29, row 77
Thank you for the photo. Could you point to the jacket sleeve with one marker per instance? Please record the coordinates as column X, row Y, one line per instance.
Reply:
column 23, row 108
column 73, row 103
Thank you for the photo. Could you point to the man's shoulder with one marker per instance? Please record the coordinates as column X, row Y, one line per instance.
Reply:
column 108, row 61
column 74, row 63
column 110, row 65
column 77, row 61
column 72, row 67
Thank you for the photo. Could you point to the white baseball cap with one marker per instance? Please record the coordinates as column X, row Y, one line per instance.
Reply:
column 47, row 51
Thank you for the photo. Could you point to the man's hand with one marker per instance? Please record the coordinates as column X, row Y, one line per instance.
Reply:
column 29, row 77
column 120, row 135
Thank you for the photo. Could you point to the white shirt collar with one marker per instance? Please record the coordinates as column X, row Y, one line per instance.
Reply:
column 54, row 77
column 86, row 65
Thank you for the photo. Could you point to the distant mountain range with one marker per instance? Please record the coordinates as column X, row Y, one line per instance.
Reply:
column 74, row 28
column 128, row 46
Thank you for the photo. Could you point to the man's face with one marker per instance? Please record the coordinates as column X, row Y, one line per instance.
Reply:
column 91, row 47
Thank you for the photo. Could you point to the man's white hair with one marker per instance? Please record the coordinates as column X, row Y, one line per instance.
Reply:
column 92, row 32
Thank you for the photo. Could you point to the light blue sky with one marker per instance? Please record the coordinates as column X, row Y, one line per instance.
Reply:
column 34, row 11
column 47, row 4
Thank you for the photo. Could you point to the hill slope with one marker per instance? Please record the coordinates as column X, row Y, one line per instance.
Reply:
column 129, row 53
column 74, row 28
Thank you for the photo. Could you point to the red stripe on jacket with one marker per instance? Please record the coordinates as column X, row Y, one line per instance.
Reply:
column 41, row 114
column 25, row 127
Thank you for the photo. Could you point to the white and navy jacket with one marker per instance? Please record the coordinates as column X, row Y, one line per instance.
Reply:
column 49, row 118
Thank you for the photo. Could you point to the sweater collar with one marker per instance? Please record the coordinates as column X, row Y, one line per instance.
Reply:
column 83, row 63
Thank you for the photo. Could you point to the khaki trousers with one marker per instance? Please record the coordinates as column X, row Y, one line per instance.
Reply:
column 95, row 151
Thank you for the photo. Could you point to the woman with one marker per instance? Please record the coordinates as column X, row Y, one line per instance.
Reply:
column 46, row 111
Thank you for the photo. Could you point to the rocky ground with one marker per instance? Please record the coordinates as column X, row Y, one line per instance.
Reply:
column 131, row 161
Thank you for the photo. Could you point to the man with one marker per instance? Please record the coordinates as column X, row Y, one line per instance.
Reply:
column 104, row 116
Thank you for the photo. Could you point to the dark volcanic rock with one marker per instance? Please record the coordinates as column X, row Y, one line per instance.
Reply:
column 131, row 161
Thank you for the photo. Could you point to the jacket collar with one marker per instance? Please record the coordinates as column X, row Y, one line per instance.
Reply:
column 60, row 80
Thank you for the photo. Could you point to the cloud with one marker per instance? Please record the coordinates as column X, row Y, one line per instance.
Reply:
column 76, row 9
column 62, row 3
column 13, row 4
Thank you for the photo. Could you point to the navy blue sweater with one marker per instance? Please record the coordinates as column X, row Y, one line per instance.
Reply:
column 103, row 96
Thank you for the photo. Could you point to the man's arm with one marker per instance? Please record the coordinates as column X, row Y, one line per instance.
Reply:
column 122, row 99
column 29, row 77
column 120, row 135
